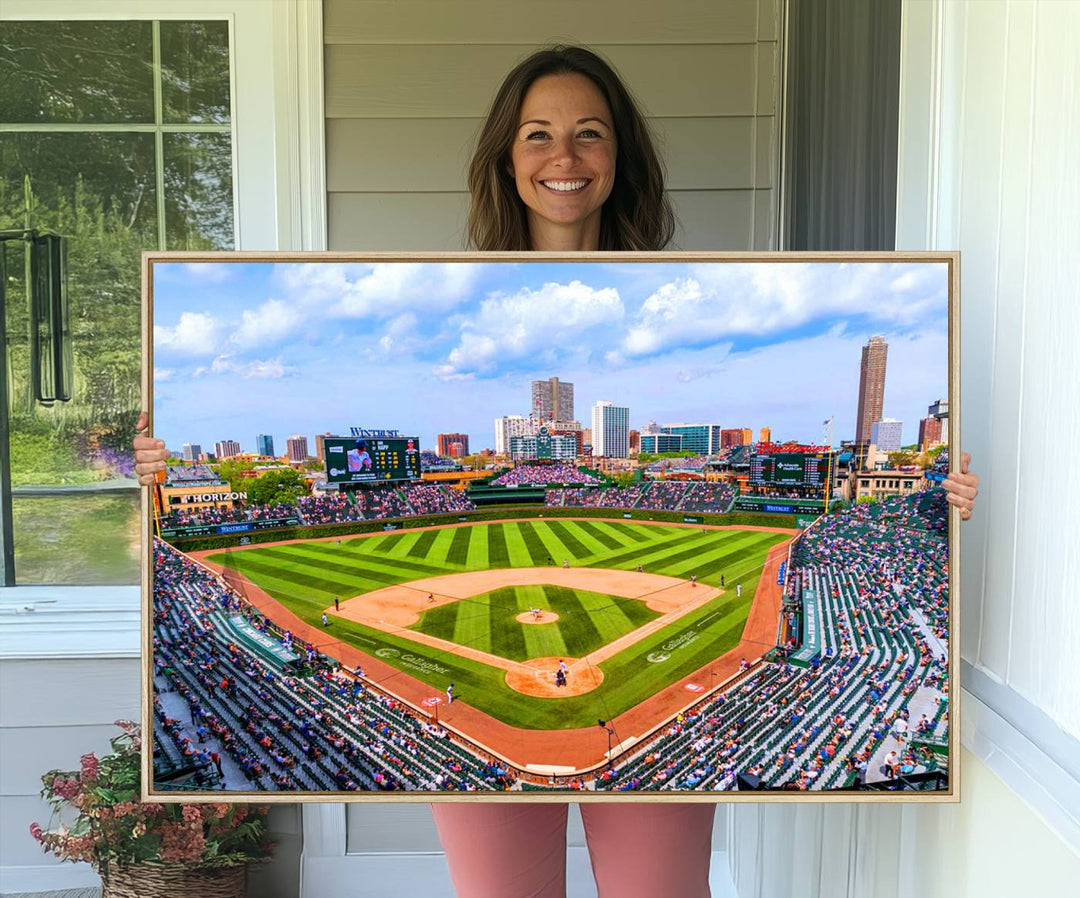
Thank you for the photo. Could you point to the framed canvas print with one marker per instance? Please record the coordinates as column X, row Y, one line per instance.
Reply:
column 662, row 526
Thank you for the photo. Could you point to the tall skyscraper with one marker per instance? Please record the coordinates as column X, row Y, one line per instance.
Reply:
column 511, row 426
column 930, row 430
column 264, row 444
column 766, row 435
column 732, row 436
column 886, row 434
column 446, row 444
column 191, row 451
column 610, row 430
column 296, row 448
column 871, row 387
column 226, row 448
column 704, row 439
column 552, row 400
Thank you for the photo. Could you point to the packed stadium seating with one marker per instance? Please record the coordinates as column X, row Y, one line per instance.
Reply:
column 542, row 475
column 874, row 579
column 324, row 732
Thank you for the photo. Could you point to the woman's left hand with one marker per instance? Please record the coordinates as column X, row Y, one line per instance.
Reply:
column 963, row 487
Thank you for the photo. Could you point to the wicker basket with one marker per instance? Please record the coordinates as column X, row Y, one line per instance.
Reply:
column 150, row 880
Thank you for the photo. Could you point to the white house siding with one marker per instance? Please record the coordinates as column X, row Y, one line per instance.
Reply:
column 408, row 83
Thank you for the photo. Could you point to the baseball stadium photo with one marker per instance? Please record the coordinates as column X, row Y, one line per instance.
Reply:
column 457, row 525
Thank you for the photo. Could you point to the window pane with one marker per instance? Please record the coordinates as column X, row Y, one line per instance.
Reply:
column 98, row 191
column 198, row 191
column 76, row 72
column 78, row 540
column 195, row 72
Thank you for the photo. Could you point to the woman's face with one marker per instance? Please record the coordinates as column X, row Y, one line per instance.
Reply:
column 563, row 159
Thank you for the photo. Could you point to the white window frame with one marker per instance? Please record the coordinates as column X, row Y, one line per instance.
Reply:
column 279, row 189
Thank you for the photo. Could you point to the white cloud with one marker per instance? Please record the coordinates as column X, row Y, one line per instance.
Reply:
column 196, row 333
column 382, row 290
column 553, row 322
column 162, row 374
column 211, row 272
column 272, row 321
column 715, row 301
column 258, row 369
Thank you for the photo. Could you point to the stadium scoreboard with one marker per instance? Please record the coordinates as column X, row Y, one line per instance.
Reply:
column 371, row 459
column 791, row 469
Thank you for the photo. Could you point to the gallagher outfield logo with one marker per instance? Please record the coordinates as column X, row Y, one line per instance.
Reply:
column 686, row 637
column 414, row 661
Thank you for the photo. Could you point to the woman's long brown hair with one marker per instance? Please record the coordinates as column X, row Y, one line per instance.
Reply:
column 637, row 214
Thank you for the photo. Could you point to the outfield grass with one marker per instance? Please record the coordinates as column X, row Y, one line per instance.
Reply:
column 307, row 577
column 488, row 622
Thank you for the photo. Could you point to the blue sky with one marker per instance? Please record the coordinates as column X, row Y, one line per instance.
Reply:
column 242, row 348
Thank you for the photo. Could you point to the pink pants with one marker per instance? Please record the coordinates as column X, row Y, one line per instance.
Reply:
column 642, row 850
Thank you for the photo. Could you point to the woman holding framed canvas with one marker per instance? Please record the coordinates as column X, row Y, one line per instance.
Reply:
column 565, row 163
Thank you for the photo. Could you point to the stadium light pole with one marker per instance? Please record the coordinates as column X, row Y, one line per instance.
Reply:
column 610, row 730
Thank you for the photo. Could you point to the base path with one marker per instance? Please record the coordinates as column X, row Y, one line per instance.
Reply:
column 571, row 749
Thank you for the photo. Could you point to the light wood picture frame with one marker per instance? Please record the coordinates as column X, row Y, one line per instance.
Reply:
column 420, row 605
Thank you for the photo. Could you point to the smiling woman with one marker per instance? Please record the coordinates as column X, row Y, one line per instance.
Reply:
column 562, row 117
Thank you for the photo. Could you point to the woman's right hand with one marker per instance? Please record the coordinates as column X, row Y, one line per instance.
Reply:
column 150, row 453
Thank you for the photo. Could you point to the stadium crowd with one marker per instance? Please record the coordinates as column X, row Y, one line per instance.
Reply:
column 541, row 475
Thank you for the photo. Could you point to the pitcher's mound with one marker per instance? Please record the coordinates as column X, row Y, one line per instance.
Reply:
column 544, row 617
column 537, row 677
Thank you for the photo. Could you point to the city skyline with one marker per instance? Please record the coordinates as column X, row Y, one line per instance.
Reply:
column 304, row 348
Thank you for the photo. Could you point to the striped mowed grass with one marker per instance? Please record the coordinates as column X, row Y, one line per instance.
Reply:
column 307, row 577
column 488, row 622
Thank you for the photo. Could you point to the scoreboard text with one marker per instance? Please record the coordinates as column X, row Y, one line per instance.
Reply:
column 790, row 469
column 371, row 460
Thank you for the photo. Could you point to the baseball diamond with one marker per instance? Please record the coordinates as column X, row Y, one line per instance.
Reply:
column 641, row 631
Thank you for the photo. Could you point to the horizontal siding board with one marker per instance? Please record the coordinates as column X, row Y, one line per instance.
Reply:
column 460, row 80
column 569, row 21
column 17, row 846
column 69, row 693
column 432, row 222
column 393, row 154
column 421, row 222
column 768, row 78
column 28, row 752
column 765, row 215
column 383, row 827
column 713, row 219
column 765, row 152
column 768, row 26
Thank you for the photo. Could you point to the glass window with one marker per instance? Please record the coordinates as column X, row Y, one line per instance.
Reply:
column 117, row 136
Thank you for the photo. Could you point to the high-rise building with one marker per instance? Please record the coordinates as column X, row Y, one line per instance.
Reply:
column 655, row 443
column 552, row 400
column 939, row 409
column 886, row 434
column 610, row 430
column 732, row 436
column 296, row 448
column 930, row 431
column 747, row 436
column 226, row 448
column 511, row 426
column 871, row 387
column 446, row 443
column 320, row 445
column 264, row 444
column 651, row 427
column 704, row 439
column 635, row 442
column 191, row 451
column 766, row 435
